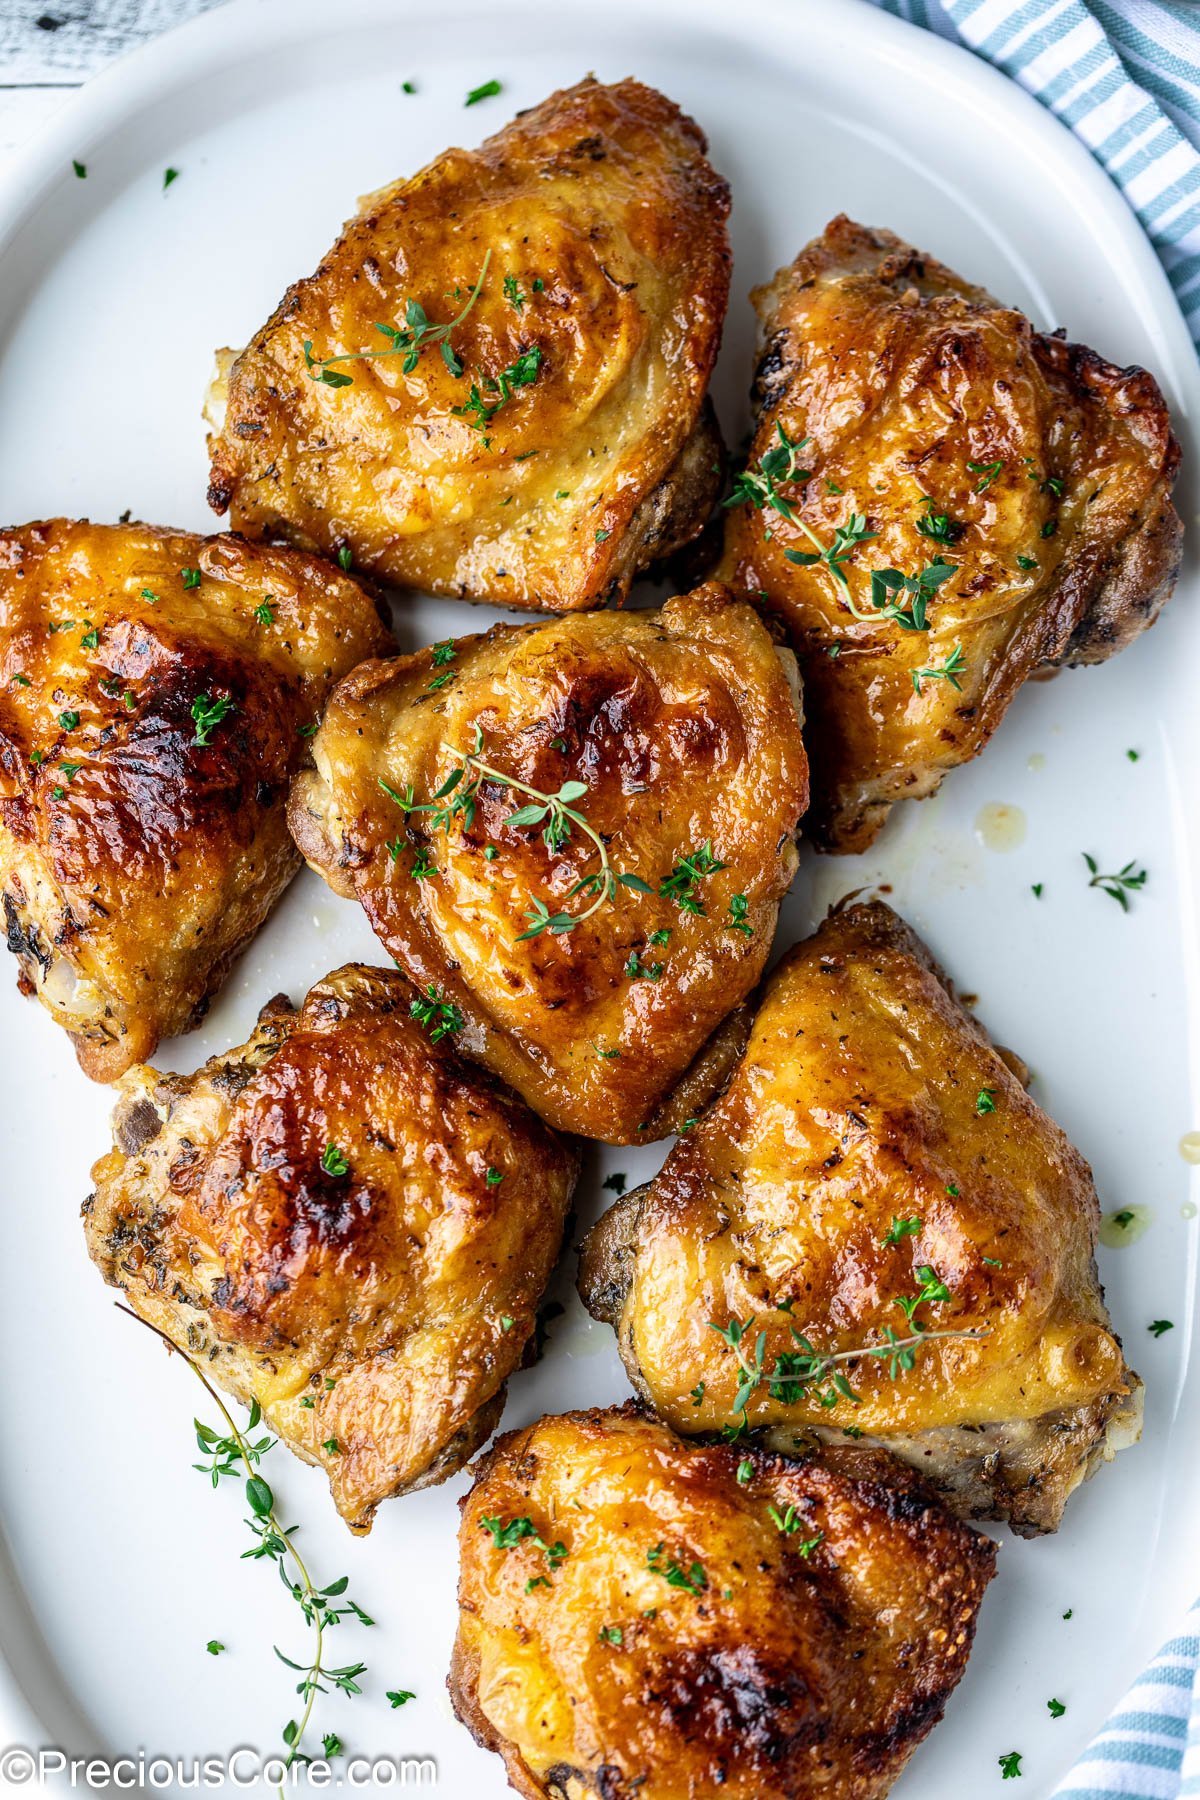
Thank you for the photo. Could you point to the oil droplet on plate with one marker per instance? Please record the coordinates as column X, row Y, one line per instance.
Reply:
column 1188, row 1210
column 1125, row 1226
column 1036, row 763
column 1189, row 1146
column 1000, row 827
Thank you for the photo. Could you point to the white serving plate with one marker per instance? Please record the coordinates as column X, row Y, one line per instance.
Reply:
column 118, row 1563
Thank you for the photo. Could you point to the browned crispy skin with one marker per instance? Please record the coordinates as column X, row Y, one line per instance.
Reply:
column 808, row 1666
column 682, row 727
column 605, row 228
column 136, row 861
column 856, row 1105
column 380, row 1308
column 901, row 376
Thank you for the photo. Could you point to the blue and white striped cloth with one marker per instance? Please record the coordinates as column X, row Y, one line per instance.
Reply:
column 1125, row 76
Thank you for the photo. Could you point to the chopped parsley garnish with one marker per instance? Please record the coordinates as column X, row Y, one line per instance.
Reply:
column 985, row 1100
column 398, row 1697
column 208, row 714
column 485, row 91
column 169, row 175
column 191, row 577
column 680, row 885
column 637, row 970
column 1026, row 562
column 931, row 1291
column 344, row 556
column 333, row 1161
column 987, row 471
column 507, row 1537
column 512, row 293
column 1056, row 1708
column 899, row 1229
column 1158, row 1326
column 68, row 720
column 80, row 169
column 673, row 1572
column 264, row 612
column 494, row 1177
column 739, row 908
column 1010, row 1765
column 938, row 526
column 745, row 1471
column 521, row 373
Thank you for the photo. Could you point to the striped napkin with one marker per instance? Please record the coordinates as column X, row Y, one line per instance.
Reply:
column 1125, row 76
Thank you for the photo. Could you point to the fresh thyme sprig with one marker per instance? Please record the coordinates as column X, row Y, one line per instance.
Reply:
column 1118, row 887
column 760, row 488
column 954, row 666
column 555, row 813
column 416, row 334
column 805, row 1370
column 275, row 1542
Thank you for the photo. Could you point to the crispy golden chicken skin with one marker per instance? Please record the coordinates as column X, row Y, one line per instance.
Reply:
column 649, row 1620
column 154, row 689
column 872, row 1151
column 341, row 1220
column 588, row 955
column 556, row 440
column 1021, row 485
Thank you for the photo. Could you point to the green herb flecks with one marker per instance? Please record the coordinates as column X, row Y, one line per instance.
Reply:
column 693, row 1578
column 938, row 526
column 208, row 714
column 521, row 373
column 436, row 1016
column 681, row 884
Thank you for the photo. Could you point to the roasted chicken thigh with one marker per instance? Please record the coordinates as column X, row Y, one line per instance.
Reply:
column 342, row 1221
column 573, row 837
column 649, row 1620
column 157, row 690
column 494, row 385
column 875, row 1229
column 940, row 502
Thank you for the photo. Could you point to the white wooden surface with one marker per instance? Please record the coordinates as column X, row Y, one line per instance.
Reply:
column 49, row 47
